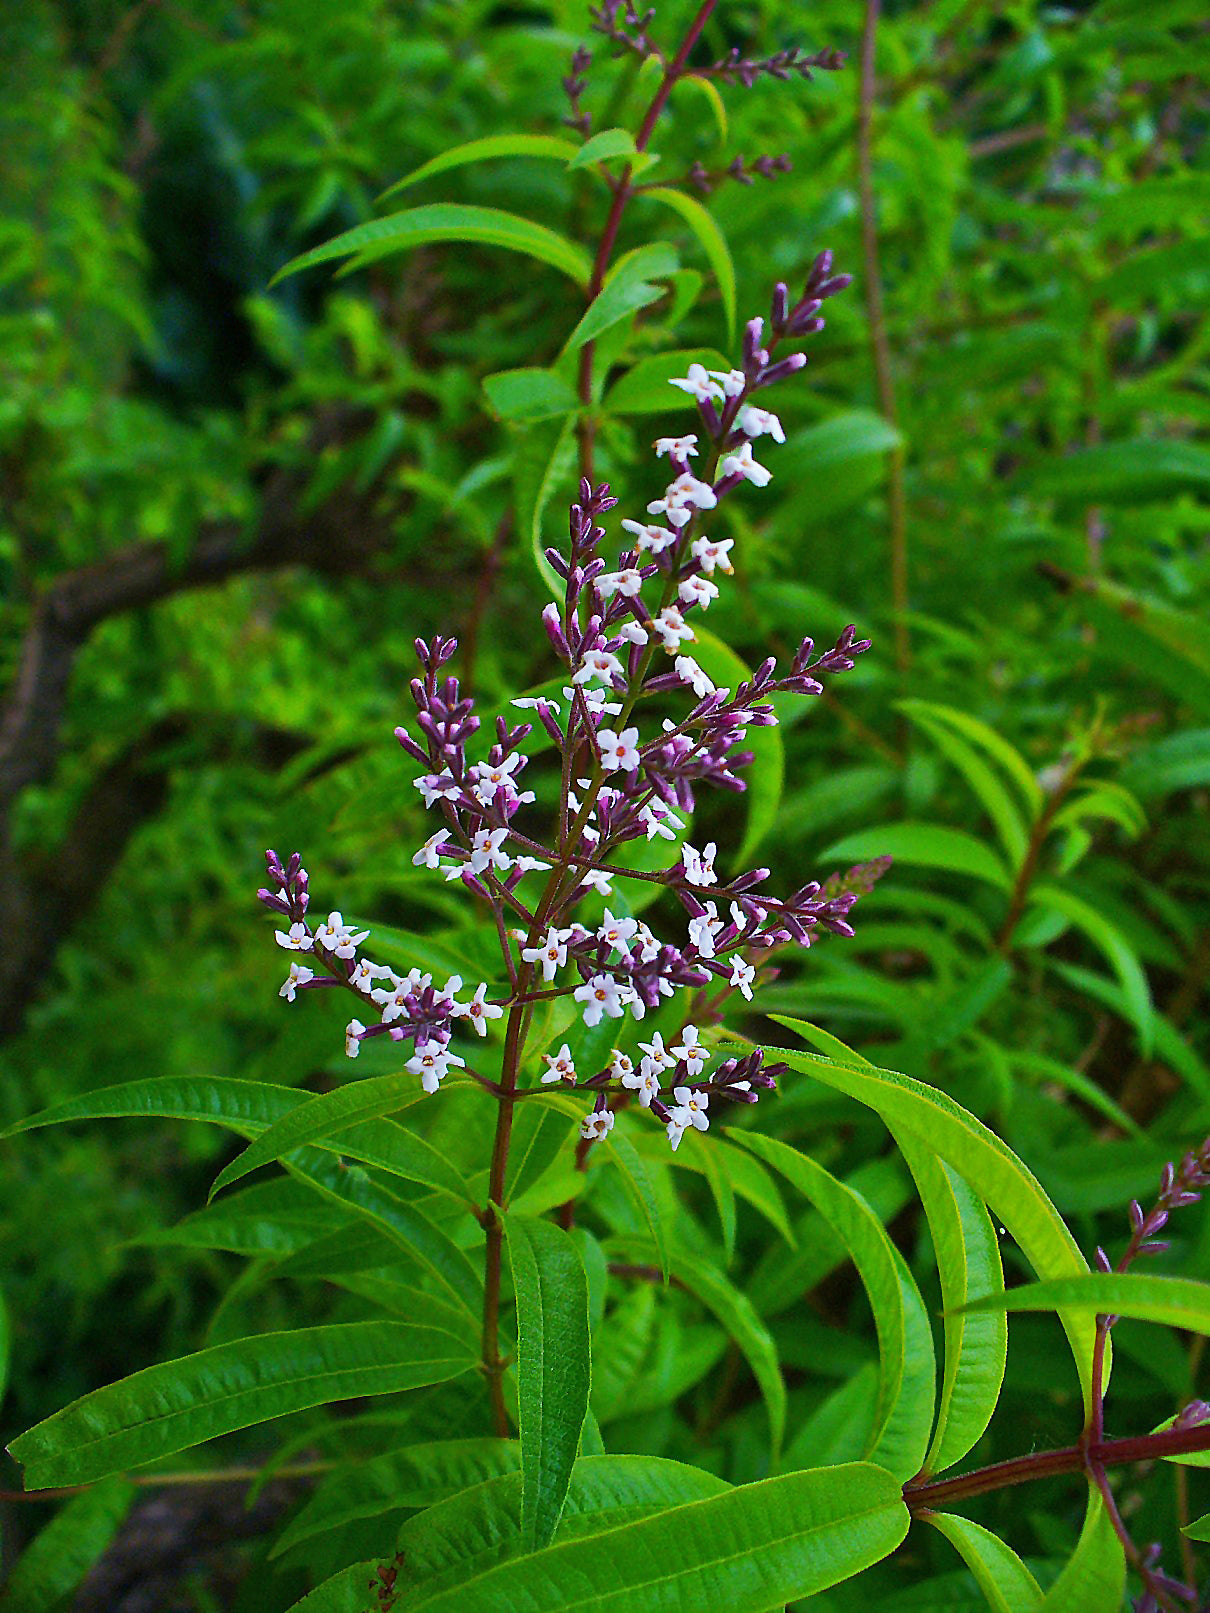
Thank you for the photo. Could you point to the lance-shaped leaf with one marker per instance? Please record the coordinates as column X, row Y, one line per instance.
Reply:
column 243, row 1106
column 447, row 221
column 61, row 1554
column 925, row 845
column 637, row 1180
column 990, row 1167
column 712, row 241
column 968, row 1261
column 322, row 1119
column 1176, row 1301
column 1199, row 1529
column 553, row 1369
column 494, row 146
column 1094, row 1579
column 178, row 1404
column 1121, row 955
column 1000, row 1574
column 903, row 1418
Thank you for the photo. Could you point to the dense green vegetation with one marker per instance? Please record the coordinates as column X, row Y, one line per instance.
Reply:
column 226, row 509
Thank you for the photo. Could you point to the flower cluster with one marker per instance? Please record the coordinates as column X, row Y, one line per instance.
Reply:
column 624, row 631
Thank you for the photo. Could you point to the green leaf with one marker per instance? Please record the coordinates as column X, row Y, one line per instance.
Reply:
column 553, row 1370
column 527, row 395
column 714, row 1166
column 494, row 146
column 415, row 1476
column 968, row 1261
column 904, row 1414
column 447, row 221
column 766, row 774
column 997, row 802
column 624, row 292
column 1199, row 1529
column 988, row 740
column 712, row 241
column 1125, row 472
column 608, row 143
column 1000, row 1574
column 61, row 1553
column 244, row 1106
column 557, row 467
column 925, row 845
column 322, row 1120
column 746, row 1550
column 645, row 389
column 177, row 1404
column 1175, row 1301
column 990, row 1167
column 1095, row 1578
column 637, row 1181
column 1121, row 955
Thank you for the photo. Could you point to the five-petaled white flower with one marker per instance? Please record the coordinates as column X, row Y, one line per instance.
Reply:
column 742, row 976
column 486, row 850
column 296, row 939
column 690, row 1111
column 339, row 938
column 658, row 819
column 354, row 1031
column 690, row 1051
column 477, row 1010
column 699, row 865
column 627, row 583
column 489, row 777
column 596, row 1125
column 688, row 671
column 654, row 539
column 682, row 494
column 619, row 752
column 550, row 953
column 600, row 996
column 698, row 384
column 657, row 1056
column 742, row 464
column 713, row 552
column 754, row 422
column 559, row 1067
column 598, row 666
column 438, row 787
column 298, row 976
column 676, row 447
column 703, row 929
column 732, row 382
column 432, row 1064
column 617, row 933
column 366, row 973
column 429, row 854
column 673, row 629
column 390, row 998
column 645, row 1082
column 620, row 1064
column 698, row 591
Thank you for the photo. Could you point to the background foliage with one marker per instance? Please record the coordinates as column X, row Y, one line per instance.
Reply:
column 228, row 508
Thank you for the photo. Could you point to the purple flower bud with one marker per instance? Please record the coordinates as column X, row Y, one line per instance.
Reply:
column 1102, row 1261
column 275, row 903
column 1136, row 1215
column 780, row 305
column 786, row 366
column 411, row 747
column 554, row 631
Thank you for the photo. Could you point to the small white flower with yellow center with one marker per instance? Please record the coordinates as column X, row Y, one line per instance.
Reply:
column 698, row 591
column 619, row 752
column 428, row 855
column 754, row 422
column 690, row 1111
column 743, row 464
column 677, row 447
column 596, row 1125
column 298, row 976
column 703, row 929
column 390, row 999
column 660, row 820
column 620, row 1065
column 598, row 666
column 477, row 1010
column 437, row 787
column 354, row 1031
column 645, row 1082
column 646, row 943
column 487, row 850
column 432, row 1064
column 550, row 953
column 698, row 384
column 296, row 939
column 673, row 629
column 688, row 671
column 690, row 1051
column 699, row 865
column 366, row 973
column 339, row 938
column 559, row 1067
column 617, row 933
column 713, row 552
column 742, row 976
column 657, row 1057
column 682, row 497
column 600, row 997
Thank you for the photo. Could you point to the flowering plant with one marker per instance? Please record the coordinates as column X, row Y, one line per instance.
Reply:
column 565, row 818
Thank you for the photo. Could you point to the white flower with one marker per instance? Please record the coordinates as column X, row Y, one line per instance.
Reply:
column 677, row 447
column 428, row 853
column 354, row 1031
column 617, row 933
column 366, row 973
column 658, row 1057
column 670, row 624
column 754, row 422
column 645, row 1082
column 657, row 819
column 298, row 976
column 699, row 865
column 486, row 852
column 599, row 666
column 690, row 1051
column 550, row 953
column 391, row 999
column 627, row 583
column 296, row 939
column 600, row 996
column 698, row 384
column 620, row 1065
column 633, row 633
column 690, row 1111
column 732, row 382
column 743, row 464
column 688, row 671
column 437, row 787
column 432, row 1065
column 713, row 552
column 560, row 1067
column 742, row 975
column 619, row 753
column 686, row 490
column 530, row 865
column 596, row 1125
column 338, row 937
column 647, row 944
column 652, row 538
column 675, row 1131
column 489, row 779
column 477, row 1011
column 597, row 701
column 529, row 703
column 703, row 929
column 596, row 878
column 698, row 591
